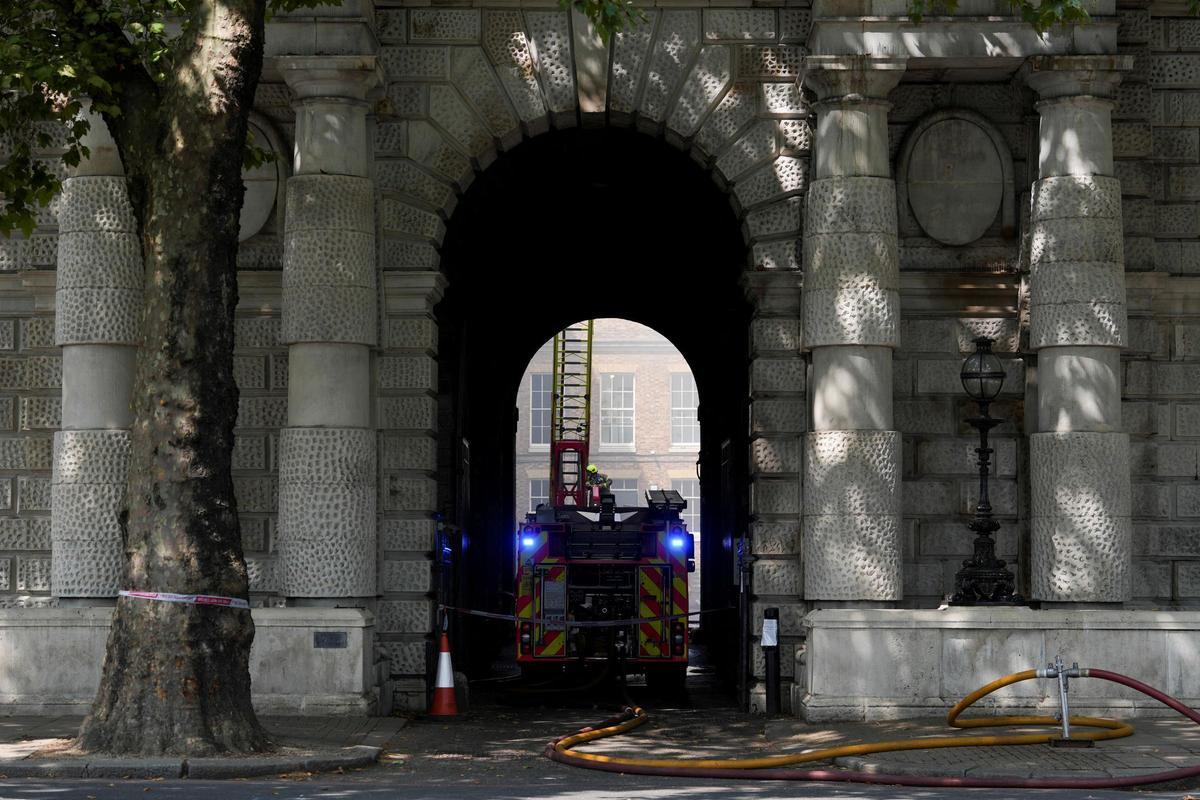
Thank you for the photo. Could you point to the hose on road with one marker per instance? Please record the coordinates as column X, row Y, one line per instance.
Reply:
column 778, row 767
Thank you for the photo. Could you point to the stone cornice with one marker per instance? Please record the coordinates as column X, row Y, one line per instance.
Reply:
column 412, row 291
column 260, row 291
column 997, row 44
column 1076, row 75
column 958, row 293
column 1170, row 8
column 343, row 76
column 347, row 28
column 839, row 77
column 773, row 291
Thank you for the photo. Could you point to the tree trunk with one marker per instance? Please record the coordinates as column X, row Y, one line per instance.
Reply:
column 176, row 677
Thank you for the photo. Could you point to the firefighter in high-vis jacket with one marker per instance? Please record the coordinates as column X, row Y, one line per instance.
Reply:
column 597, row 478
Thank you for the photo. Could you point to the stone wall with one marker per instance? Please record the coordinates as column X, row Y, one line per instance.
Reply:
column 261, row 370
column 406, row 385
column 30, row 379
column 30, row 405
column 1161, row 391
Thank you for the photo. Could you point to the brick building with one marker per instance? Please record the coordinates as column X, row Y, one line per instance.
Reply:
column 645, row 425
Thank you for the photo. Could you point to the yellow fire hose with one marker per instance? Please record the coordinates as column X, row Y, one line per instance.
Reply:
column 769, row 767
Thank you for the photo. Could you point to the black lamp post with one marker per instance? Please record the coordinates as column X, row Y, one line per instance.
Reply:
column 983, row 579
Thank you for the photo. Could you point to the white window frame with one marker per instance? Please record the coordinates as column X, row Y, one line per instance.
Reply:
column 693, row 409
column 549, row 392
column 637, row 488
column 692, row 512
column 630, row 446
column 532, row 505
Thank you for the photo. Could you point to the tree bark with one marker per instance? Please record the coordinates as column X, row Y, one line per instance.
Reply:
column 176, row 677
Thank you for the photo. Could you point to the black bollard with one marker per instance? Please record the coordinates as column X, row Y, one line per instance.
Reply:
column 770, row 648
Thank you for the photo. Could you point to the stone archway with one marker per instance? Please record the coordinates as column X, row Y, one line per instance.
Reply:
column 466, row 86
column 470, row 84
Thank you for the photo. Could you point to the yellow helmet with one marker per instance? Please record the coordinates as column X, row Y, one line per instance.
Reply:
column 593, row 469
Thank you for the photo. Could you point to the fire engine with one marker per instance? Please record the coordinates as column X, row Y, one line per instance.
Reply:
column 597, row 582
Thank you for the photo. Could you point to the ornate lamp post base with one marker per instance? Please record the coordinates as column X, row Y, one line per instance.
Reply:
column 984, row 579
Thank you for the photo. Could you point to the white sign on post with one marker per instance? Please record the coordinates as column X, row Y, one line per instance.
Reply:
column 770, row 633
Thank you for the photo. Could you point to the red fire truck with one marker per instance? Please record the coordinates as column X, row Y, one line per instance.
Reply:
column 596, row 581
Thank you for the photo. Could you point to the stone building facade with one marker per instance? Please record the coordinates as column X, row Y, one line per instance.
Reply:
column 899, row 188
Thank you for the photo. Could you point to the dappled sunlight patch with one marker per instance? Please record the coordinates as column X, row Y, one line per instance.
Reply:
column 37, row 748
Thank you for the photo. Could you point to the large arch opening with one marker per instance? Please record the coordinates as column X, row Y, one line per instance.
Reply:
column 586, row 224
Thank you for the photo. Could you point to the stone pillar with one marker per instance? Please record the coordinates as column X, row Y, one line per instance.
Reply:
column 1079, row 458
column 98, row 305
column 327, row 453
column 850, row 320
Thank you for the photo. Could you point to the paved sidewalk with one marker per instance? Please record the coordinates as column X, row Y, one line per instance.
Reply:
column 499, row 738
column 1159, row 745
column 33, row 746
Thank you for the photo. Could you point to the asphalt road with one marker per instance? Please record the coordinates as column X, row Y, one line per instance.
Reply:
column 553, row 783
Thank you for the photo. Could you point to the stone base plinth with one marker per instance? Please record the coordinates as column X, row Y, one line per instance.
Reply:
column 898, row 663
column 51, row 658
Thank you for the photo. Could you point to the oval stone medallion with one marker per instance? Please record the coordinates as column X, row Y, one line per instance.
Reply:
column 262, row 185
column 955, row 181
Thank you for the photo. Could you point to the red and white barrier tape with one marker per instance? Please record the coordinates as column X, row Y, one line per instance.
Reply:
column 572, row 623
column 190, row 599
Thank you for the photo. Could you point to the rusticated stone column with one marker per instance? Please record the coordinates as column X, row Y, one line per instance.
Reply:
column 1079, row 458
column 98, row 304
column 850, row 320
column 327, row 454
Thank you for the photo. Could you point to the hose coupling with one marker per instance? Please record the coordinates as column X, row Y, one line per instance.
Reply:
column 1053, row 670
column 1064, row 673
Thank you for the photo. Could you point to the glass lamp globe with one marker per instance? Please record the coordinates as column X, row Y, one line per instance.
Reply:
column 982, row 372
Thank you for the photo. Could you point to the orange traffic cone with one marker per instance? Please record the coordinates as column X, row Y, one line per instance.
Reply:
column 444, row 704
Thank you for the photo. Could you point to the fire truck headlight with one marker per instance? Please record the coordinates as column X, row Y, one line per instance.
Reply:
column 528, row 541
column 677, row 542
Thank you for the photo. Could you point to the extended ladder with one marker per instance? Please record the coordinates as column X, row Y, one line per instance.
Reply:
column 570, row 413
